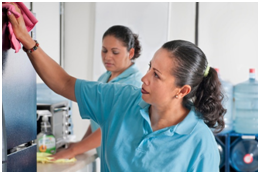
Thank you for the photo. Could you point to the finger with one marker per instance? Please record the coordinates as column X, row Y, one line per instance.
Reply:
column 12, row 19
column 53, row 157
column 17, row 9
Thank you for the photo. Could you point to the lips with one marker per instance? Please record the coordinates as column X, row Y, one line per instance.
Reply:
column 144, row 91
column 108, row 64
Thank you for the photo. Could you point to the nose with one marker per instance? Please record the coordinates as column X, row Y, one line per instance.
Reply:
column 145, row 79
column 107, row 56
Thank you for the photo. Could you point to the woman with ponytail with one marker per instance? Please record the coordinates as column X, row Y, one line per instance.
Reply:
column 163, row 126
column 191, row 68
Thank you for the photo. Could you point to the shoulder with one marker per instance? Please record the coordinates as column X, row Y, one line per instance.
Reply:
column 204, row 139
column 103, row 77
column 134, row 79
column 203, row 132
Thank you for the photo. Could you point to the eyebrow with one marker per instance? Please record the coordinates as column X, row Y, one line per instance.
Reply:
column 155, row 68
column 114, row 48
column 111, row 48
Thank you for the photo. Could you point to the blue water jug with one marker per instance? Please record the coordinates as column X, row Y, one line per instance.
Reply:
column 244, row 156
column 246, row 105
column 227, row 103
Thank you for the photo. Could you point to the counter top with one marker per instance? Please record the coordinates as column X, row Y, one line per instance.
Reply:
column 82, row 160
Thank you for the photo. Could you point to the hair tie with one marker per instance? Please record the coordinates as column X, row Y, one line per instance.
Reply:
column 206, row 71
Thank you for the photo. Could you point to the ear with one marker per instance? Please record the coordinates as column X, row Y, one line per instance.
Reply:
column 131, row 53
column 184, row 91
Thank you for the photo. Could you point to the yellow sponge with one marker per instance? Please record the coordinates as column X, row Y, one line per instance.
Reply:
column 43, row 157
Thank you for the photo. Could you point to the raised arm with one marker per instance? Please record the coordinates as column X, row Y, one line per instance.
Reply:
column 50, row 72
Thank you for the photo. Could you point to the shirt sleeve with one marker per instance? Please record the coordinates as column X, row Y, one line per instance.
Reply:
column 206, row 163
column 96, row 100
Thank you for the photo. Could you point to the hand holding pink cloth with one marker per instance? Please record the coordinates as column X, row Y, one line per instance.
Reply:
column 29, row 20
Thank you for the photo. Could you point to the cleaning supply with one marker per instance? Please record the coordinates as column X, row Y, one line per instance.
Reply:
column 29, row 20
column 43, row 157
column 45, row 140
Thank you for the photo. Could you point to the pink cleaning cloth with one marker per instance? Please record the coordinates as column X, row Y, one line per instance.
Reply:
column 29, row 20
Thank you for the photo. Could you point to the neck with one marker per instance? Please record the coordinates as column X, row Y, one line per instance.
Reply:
column 166, row 116
column 114, row 74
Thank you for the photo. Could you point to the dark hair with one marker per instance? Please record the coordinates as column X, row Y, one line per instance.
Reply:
column 190, row 65
column 128, row 38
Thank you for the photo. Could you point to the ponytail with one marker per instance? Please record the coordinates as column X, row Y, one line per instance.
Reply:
column 208, row 98
column 137, row 47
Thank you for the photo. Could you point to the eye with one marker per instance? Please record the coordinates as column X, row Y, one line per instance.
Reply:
column 104, row 51
column 156, row 75
column 149, row 65
column 115, row 53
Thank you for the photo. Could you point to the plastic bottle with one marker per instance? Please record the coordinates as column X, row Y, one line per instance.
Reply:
column 46, row 141
column 246, row 105
column 222, row 154
column 244, row 156
column 227, row 103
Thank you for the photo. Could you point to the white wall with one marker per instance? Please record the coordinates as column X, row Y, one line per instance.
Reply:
column 228, row 35
column 182, row 21
column 79, row 41
column 27, row 4
column 48, row 28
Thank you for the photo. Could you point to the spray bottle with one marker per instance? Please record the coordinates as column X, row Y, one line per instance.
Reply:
column 45, row 139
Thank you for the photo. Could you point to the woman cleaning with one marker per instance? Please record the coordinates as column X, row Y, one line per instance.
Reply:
column 163, row 126
column 120, row 47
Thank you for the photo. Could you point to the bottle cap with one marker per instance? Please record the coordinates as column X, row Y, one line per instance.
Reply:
column 252, row 70
column 248, row 158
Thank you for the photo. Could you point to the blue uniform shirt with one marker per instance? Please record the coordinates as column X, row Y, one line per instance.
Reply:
column 131, row 76
column 128, row 141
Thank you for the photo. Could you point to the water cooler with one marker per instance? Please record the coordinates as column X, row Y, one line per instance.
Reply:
column 238, row 142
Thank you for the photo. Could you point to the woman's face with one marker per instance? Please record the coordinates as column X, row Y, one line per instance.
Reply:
column 114, row 54
column 159, row 84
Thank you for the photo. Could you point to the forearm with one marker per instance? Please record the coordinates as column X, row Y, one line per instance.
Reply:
column 51, row 72
column 90, row 142
column 88, row 132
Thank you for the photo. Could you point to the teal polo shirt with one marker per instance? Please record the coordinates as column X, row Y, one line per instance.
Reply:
column 128, row 141
column 131, row 76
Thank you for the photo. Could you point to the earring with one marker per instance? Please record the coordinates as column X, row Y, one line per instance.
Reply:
column 176, row 96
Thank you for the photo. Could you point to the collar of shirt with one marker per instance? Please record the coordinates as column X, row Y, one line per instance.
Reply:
column 185, row 127
column 129, row 71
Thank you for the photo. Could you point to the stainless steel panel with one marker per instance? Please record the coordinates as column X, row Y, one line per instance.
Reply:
column 4, row 148
column 18, row 97
column 23, row 160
